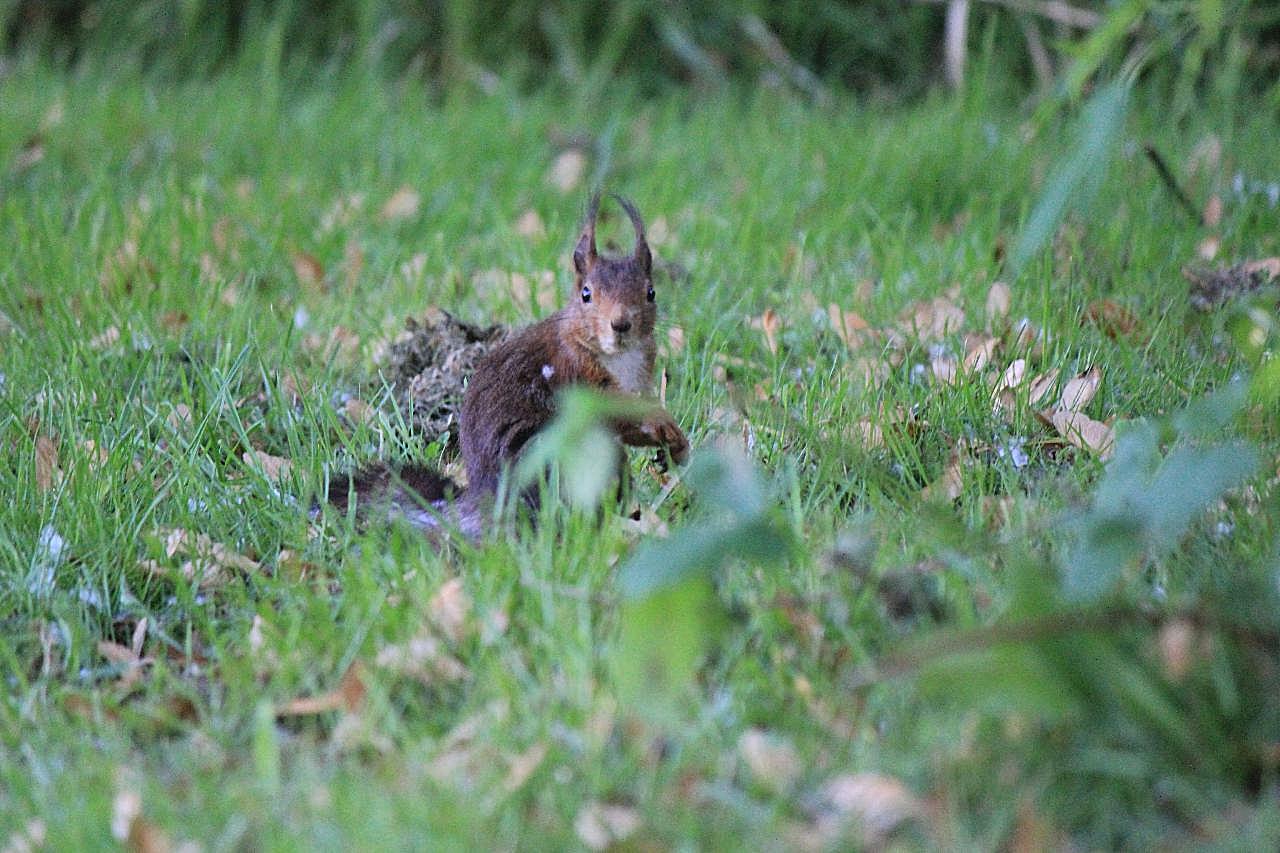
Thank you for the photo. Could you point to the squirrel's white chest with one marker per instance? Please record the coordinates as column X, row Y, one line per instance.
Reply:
column 630, row 370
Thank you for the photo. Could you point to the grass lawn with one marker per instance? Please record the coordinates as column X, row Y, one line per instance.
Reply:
column 195, row 279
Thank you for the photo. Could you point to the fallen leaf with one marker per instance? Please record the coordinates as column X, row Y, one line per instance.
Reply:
column 98, row 456
column 116, row 653
column 353, row 264
column 423, row 657
column 107, row 339
column 523, row 766
column 944, row 369
column 530, row 225
column 1176, row 641
column 357, row 410
column 274, row 468
column 180, row 416
column 772, row 759
column 1012, row 376
column 450, row 609
column 1080, row 391
column 1112, row 318
column 402, row 204
column 47, row 471
column 999, row 300
column 347, row 696
column 1208, row 247
column 933, row 319
column 1212, row 214
column 980, row 353
column 308, row 270
column 769, row 323
column 849, row 325
column 1084, row 432
column 600, row 825
column 567, row 170
column 950, row 483
column 208, row 563
column 1041, row 386
column 877, row 804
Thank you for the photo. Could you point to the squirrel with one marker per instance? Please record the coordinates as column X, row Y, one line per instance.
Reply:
column 603, row 339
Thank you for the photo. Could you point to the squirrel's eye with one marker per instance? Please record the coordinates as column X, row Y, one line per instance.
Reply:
column 586, row 293
column 652, row 296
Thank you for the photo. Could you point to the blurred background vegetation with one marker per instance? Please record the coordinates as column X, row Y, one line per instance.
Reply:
column 885, row 49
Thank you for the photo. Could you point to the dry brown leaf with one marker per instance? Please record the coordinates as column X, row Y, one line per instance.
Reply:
column 523, row 766
column 1177, row 640
column 773, row 761
column 933, row 319
column 1041, row 386
column 530, row 225
column 999, row 300
column 97, row 455
column 309, row 271
column 180, row 416
column 1084, row 432
column 1012, row 376
column 675, row 339
column 1208, row 247
column 769, row 323
column 980, row 353
column 139, row 637
column 353, row 263
column 116, row 653
column 1079, row 391
column 1212, row 214
column 47, row 471
column 131, row 662
column 402, row 204
column 567, row 170
column 357, row 410
column 601, row 825
column 106, row 340
column 949, row 485
column 944, row 369
column 208, row 562
column 423, row 657
column 868, row 434
column 347, row 696
column 849, row 325
column 1112, row 318
column 877, row 804
column 869, row 371
column 450, row 609
column 274, row 468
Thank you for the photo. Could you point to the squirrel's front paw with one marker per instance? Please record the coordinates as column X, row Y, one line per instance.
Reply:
column 666, row 433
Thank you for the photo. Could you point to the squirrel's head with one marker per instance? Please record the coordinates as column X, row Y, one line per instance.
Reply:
column 614, row 296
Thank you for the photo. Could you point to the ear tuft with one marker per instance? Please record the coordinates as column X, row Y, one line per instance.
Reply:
column 584, row 254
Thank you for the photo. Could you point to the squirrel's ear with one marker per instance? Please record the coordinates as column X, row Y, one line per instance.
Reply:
column 584, row 254
column 641, row 254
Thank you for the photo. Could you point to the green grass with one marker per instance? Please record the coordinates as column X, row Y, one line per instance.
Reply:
column 767, row 203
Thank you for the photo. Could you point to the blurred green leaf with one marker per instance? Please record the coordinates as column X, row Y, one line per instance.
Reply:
column 663, row 639
column 1076, row 178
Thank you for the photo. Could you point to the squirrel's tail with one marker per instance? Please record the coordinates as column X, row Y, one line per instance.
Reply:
column 422, row 496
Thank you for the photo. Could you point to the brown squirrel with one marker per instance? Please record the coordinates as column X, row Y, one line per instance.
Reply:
column 604, row 339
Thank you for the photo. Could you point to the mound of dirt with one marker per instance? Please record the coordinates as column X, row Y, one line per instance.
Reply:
column 428, row 364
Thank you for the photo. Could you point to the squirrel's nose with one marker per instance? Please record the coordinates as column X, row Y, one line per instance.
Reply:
column 620, row 325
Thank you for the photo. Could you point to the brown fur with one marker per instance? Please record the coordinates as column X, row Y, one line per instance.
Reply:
column 604, row 341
